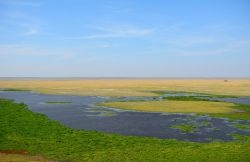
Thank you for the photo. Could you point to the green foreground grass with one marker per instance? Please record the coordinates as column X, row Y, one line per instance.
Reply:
column 21, row 129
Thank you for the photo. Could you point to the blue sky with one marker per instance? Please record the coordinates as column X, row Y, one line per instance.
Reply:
column 125, row 38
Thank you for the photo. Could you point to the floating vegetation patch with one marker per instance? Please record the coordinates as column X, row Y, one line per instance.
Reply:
column 242, row 126
column 186, row 98
column 212, row 128
column 206, row 123
column 58, row 102
column 186, row 128
column 101, row 112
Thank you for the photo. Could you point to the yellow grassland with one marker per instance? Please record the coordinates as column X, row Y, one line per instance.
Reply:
column 130, row 87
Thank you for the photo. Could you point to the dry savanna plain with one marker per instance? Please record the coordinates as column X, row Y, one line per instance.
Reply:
column 131, row 87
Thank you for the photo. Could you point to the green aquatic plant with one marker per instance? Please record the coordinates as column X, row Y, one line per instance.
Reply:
column 58, row 102
column 213, row 128
column 206, row 123
column 192, row 94
column 242, row 126
column 186, row 98
column 186, row 128
column 103, row 112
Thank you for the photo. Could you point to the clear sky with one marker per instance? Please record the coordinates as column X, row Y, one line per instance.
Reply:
column 125, row 38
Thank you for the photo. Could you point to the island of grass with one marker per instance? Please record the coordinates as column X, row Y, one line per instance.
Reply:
column 186, row 128
column 21, row 129
column 58, row 102
column 174, row 106
column 187, row 104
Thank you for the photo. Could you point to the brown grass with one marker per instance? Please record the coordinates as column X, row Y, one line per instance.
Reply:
column 11, row 157
column 130, row 87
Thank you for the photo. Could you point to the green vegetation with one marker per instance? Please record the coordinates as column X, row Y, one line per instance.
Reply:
column 58, row 102
column 21, row 129
column 240, row 137
column 189, row 128
column 242, row 126
column 186, row 128
column 103, row 112
column 12, row 89
column 186, row 98
column 194, row 94
column 242, row 114
column 206, row 123
column 187, row 104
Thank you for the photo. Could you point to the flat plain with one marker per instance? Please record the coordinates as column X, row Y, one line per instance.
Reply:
column 131, row 87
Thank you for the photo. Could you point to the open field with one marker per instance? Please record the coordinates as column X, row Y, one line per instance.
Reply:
column 174, row 106
column 130, row 87
column 21, row 129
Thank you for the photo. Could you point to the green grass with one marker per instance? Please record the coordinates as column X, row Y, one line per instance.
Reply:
column 244, row 113
column 186, row 128
column 242, row 126
column 21, row 129
column 189, row 128
column 58, row 102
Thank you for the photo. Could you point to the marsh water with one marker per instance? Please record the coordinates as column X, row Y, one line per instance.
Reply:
column 81, row 112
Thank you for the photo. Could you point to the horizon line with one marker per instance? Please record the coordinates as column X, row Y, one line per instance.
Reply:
column 119, row 78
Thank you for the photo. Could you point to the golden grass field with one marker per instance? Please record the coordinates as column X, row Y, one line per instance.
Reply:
column 130, row 87
column 174, row 106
